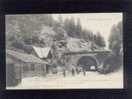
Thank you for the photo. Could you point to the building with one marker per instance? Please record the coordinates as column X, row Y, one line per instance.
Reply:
column 46, row 54
column 24, row 65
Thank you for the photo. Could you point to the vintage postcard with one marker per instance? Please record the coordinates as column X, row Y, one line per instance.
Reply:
column 64, row 51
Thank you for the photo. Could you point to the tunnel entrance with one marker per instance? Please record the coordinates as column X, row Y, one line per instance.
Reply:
column 88, row 63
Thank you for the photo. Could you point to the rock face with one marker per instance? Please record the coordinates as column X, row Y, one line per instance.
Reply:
column 75, row 45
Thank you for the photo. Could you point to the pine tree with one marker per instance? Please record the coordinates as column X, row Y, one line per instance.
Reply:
column 115, row 39
column 69, row 26
column 99, row 40
column 78, row 29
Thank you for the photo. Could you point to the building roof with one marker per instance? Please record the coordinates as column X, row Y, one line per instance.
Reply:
column 42, row 52
column 27, row 58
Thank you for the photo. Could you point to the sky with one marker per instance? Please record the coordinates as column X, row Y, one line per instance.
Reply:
column 96, row 22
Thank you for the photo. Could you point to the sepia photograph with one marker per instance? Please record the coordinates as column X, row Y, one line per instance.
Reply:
column 64, row 51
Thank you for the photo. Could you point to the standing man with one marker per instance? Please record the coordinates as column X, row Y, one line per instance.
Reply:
column 84, row 72
column 64, row 72
column 73, row 72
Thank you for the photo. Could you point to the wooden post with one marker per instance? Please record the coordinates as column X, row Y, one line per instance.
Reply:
column 17, row 73
column 44, row 69
column 21, row 65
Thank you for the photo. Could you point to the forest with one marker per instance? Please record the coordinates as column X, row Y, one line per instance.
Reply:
column 43, row 30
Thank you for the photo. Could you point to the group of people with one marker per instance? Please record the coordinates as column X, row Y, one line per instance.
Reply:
column 75, row 71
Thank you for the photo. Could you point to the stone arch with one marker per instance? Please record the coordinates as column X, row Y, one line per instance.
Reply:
column 88, row 62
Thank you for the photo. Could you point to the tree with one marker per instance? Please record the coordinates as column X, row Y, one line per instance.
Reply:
column 12, row 32
column 69, row 26
column 61, row 34
column 115, row 39
column 115, row 60
column 87, row 35
column 99, row 40
column 26, row 27
column 78, row 28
